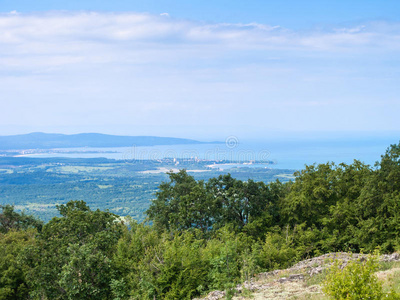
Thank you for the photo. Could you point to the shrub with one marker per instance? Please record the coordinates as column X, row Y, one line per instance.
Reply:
column 355, row 281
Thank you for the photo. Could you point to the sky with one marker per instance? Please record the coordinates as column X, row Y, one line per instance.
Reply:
column 199, row 69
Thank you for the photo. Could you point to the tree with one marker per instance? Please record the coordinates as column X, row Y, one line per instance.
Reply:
column 379, row 220
column 311, row 196
column 14, row 249
column 74, row 254
column 10, row 219
column 183, row 203
column 342, row 223
column 239, row 202
column 160, row 265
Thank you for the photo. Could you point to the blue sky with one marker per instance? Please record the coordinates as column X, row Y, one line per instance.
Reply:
column 287, row 13
column 199, row 69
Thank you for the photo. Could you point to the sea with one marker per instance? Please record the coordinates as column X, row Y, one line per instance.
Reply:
column 277, row 153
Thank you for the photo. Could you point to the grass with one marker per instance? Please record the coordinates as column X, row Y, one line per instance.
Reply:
column 389, row 273
column 247, row 294
column 316, row 279
column 391, row 279
column 310, row 297
column 386, row 265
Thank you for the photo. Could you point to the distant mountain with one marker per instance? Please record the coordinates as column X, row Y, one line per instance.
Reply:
column 39, row 140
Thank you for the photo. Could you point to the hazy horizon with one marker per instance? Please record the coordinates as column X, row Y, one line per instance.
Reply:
column 323, row 136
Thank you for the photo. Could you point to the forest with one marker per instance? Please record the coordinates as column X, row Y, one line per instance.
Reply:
column 200, row 235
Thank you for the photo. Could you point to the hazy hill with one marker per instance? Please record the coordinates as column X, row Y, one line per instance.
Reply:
column 39, row 140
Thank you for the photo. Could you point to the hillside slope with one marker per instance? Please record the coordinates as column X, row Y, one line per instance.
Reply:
column 303, row 280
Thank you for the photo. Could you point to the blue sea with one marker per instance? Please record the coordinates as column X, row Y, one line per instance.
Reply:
column 293, row 153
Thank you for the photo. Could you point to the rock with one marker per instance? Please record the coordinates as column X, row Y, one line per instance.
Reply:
column 214, row 295
column 390, row 257
column 315, row 271
column 293, row 277
column 268, row 274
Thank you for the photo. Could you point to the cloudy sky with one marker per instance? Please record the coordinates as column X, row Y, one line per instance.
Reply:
column 199, row 69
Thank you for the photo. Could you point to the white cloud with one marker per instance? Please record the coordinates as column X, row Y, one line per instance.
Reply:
column 64, row 27
column 53, row 39
column 154, row 69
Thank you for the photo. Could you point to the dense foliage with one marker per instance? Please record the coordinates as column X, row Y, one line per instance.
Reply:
column 10, row 219
column 202, row 235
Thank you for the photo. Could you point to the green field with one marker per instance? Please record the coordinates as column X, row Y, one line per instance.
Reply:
column 37, row 185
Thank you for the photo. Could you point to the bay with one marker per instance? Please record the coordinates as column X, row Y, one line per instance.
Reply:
column 275, row 153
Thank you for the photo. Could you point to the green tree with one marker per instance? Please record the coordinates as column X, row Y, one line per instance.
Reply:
column 10, row 219
column 269, row 216
column 87, row 274
column 14, row 250
column 311, row 196
column 183, row 203
column 239, row 202
column 379, row 217
column 135, row 250
column 74, row 254
column 161, row 265
column 343, row 220
column 225, row 253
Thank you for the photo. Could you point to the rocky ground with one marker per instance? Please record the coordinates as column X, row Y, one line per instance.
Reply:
column 295, row 282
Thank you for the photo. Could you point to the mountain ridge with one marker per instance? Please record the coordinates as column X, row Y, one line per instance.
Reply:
column 40, row 140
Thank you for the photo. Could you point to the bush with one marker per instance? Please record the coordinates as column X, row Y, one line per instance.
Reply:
column 356, row 281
